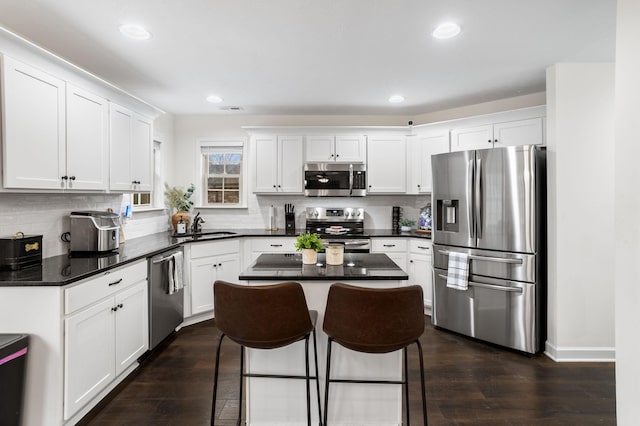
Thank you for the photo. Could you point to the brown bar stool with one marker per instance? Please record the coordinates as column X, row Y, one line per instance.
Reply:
column 264, row 317
column 375, row 321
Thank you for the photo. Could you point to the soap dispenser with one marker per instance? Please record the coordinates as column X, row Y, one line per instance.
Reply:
column 182, row 227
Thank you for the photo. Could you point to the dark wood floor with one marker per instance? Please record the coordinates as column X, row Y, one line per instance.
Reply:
column 468, row 383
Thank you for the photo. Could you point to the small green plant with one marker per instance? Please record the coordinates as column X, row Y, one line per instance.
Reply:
column 407, row 222
column 178, row 199
column 309, row 241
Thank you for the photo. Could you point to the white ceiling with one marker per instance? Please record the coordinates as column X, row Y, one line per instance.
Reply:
column 319, row 56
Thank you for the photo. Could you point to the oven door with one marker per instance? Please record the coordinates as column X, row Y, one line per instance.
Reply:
column 327, row 179
column 362, row 245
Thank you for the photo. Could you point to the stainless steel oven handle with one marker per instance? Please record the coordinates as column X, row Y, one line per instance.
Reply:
column 490, row 286
column 488, row 258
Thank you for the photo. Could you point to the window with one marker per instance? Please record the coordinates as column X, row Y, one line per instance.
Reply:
column 148, row 200
column 223, row 172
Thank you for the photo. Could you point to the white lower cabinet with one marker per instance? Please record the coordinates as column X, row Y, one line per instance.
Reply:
column 105, row 332
column 396, row 249
column 258, row 246
column 421, row 269
column 211, row 261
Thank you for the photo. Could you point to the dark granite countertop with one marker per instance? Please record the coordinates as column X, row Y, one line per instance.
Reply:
column 65, row 269
column 356, row 266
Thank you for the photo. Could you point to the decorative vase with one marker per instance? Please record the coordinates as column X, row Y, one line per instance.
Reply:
column 176, row 218
column 309, row 256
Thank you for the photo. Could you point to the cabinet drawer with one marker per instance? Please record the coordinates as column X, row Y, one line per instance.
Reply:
column 103, row 285
column 383, row 245
column 214, row 248
column 420, row 246
column 273, row 245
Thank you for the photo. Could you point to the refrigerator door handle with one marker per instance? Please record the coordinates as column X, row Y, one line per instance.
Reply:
column 490, row 286
column 487, row 258
column 478, row 198
column 470, row 222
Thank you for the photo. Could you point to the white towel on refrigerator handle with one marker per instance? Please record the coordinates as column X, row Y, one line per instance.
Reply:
column 458, row 271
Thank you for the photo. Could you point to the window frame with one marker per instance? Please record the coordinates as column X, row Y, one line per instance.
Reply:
column 222, row 143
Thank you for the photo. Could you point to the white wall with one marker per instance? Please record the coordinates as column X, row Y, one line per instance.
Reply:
column 627, row 204
column 580, row 119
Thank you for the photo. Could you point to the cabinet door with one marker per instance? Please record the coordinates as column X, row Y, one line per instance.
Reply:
column 120, row 122
column 89, row 354
column 33, row 125
column 420, row 272
column 203, row 273
column 290, row 164
column 266, row 160
column 351, row 149
column 386, row 165
column 141, row 154
column 132, row 325
column 228, row 268
column 480, row 137
column 319, row 148
column 429, row 145
column 521, row 132
column 87, row 140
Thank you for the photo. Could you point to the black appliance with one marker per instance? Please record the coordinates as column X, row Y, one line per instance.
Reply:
column 20, row 251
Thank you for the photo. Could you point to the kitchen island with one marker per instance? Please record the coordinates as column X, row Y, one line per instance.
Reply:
column 282, row 402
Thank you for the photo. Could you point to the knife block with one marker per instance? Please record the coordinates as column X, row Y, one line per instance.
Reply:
column 290, row 223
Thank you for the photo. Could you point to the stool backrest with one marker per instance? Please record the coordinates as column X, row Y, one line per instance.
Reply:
column 374, row 320
column 262, row 317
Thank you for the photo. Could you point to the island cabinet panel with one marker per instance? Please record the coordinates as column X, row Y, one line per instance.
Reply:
column 421, row 269
column 211, row 261
column 105, row 335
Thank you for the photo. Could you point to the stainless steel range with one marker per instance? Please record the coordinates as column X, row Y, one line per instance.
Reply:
column 342, row 225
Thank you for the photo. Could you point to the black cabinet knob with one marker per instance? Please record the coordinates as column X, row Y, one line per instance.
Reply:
column 64, row 177
column 72, row 178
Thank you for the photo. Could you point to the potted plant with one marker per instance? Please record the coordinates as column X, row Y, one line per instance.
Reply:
column 180, row 203
column 406, row 224
column 310, row 244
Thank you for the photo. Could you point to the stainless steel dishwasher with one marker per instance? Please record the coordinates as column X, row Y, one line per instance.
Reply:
column 165, row 306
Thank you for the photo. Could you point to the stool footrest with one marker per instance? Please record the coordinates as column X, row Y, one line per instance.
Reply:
column 277, row 376
column 377, row 382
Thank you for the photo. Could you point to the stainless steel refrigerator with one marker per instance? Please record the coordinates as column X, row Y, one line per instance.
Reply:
column 490, row 204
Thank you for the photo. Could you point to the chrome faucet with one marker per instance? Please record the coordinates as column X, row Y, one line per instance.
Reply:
column 197, row 222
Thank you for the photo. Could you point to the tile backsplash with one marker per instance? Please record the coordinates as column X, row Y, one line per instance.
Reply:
column 48, row 215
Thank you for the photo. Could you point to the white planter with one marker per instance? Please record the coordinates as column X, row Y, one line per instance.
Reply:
column 309, row 256
column 405, row 228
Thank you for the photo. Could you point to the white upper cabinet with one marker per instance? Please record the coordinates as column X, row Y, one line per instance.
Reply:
column 519, row 132
column 386, row 165
column 87, row 164
column 131, row 142
column 33, row 127
column 422, row 147
column 278, row 162
column 343, row 148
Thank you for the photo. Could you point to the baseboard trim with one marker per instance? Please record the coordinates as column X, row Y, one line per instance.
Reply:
column 580, row 354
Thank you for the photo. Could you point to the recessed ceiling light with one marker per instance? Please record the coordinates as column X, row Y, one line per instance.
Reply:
column 214, row 99
column 396, row 99
column 446, row 30
column 135, row 32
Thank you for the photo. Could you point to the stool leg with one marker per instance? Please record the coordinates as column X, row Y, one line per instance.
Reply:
column 315, row 353
column 326, row 387
column 406, row 384
column 307, row 380
column 215, row 380
column 241, row 383
column 424, row 391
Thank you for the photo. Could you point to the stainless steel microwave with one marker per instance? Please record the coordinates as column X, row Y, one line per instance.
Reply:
column 335, row 179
